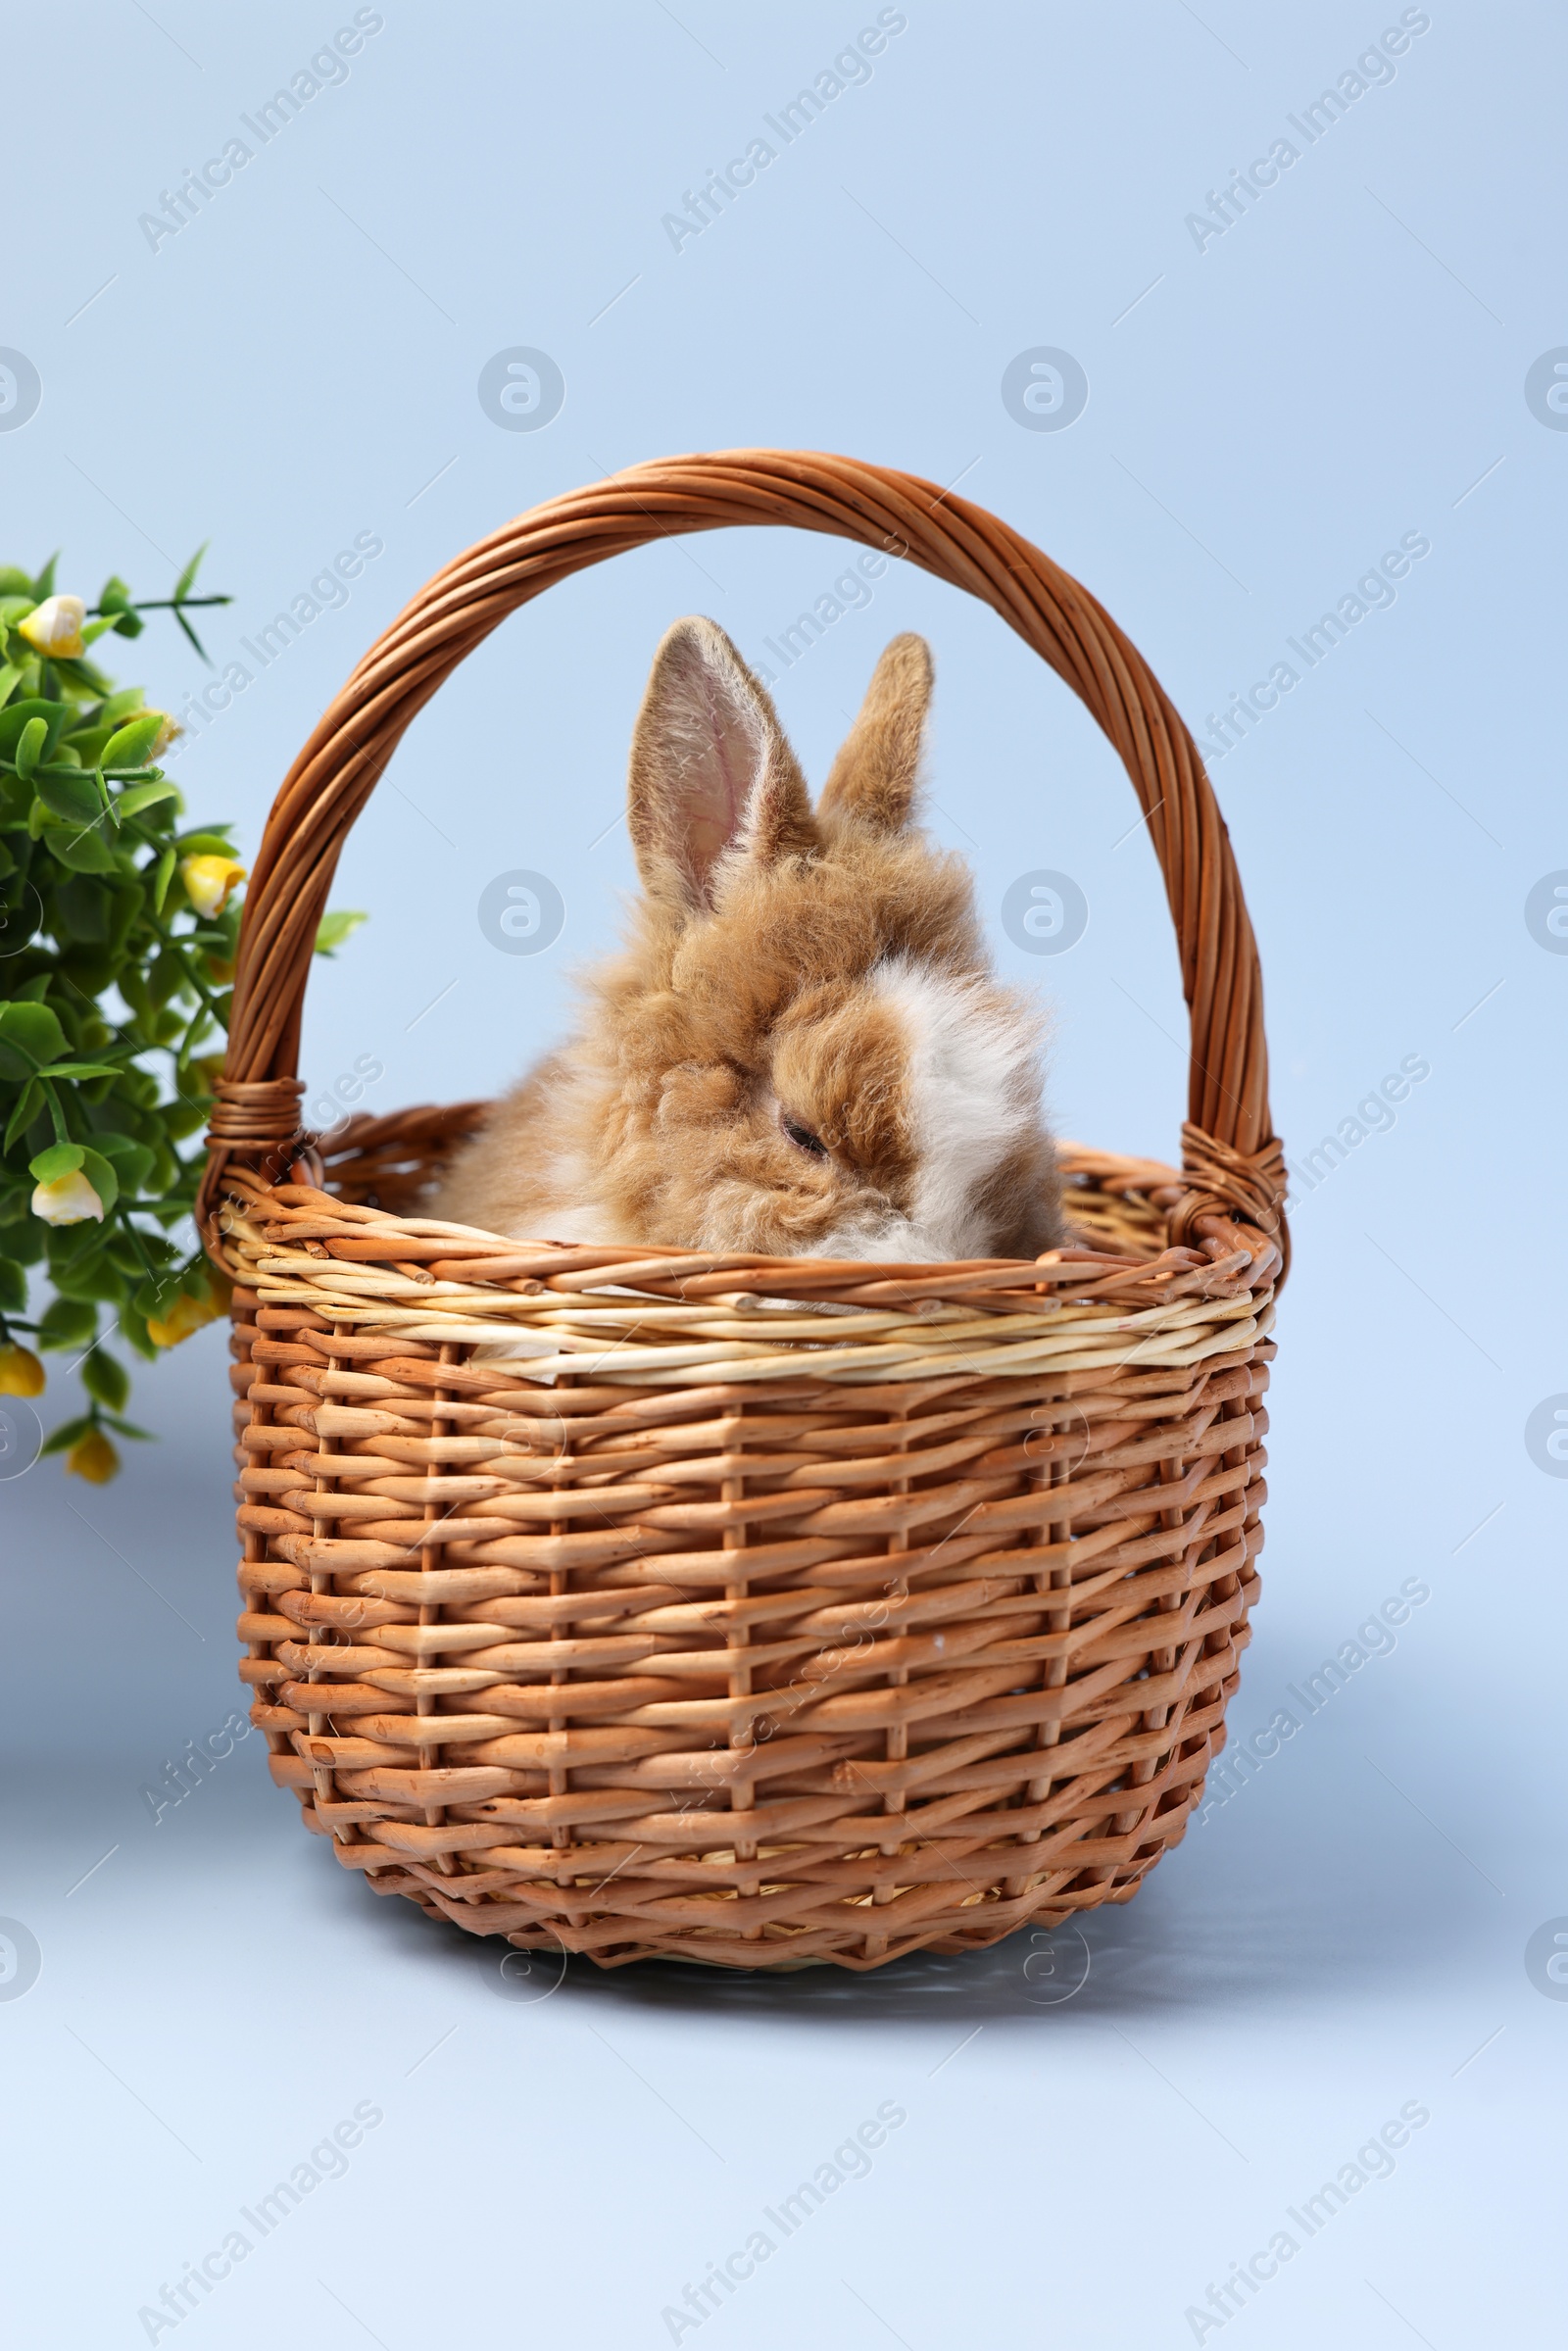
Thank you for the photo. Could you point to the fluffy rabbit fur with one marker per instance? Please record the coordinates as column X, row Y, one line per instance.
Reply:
column 803, row 1049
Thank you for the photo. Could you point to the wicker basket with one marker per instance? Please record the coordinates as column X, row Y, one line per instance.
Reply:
column 723, row 1628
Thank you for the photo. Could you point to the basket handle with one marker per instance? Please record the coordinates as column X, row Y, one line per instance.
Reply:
column 1231, row 1159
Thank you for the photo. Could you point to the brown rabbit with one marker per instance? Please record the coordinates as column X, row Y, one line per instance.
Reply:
column 803, row 1049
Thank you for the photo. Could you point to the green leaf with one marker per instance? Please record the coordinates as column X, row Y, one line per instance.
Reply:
column 127, row 1428
column 133, row 1330
column 69, row 1247
column 60, row 1159
column 167, row 976
column 80, row 674
column 133, row 1162
column 155, row 1298
column 182, row 588
column 106, row 1380
column 97, row 1277
column 67, row 793
column 162, row 873
column 84, row 744
column 145, row 796
column 29, row 748
column 81, row 1069
column 100, row 1174
column 118, row 1252
column 127, row 905
column 183, row 1118
column 30, row 1037
column 26, row 1111
column 187, row 578
column 119, row 613
column 13, row 1287
column 179, row 616
column 18, row 714
column 67, row 1322
column 334, row 928
column 86, row 851
column 129, row 745
column 10, row 678
column 180, row 1184
column 61, row 1440
column 82, row 907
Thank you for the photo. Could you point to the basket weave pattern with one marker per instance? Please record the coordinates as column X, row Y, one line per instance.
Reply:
column 646, row 1602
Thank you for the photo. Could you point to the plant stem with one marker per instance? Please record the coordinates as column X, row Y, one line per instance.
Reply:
column 122, row 1220
column 62, row 1132
column 155, row 604
column 170, row 939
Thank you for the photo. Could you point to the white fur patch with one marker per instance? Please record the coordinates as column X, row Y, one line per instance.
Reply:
column 573, row 1213
column 973, row 1083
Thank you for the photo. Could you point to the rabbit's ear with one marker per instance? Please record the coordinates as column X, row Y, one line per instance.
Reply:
column 873, row 778
column 711, row 771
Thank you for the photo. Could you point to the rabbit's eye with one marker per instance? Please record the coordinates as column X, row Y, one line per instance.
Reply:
column 802, row 1137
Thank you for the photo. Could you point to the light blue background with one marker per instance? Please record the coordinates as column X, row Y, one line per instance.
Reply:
column 1266, row 416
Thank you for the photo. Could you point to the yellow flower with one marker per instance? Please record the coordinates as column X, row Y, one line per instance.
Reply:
column 20, row 1371
column 69, row 1199
column 207, row 882
column 185, row 1316
column 169, row 732
column 54, row 627
column 93, row 1457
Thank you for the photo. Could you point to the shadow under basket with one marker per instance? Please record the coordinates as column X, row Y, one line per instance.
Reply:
column 646, row 1602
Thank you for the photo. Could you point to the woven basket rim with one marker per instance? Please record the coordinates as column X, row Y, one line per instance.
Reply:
column 652, row 1314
